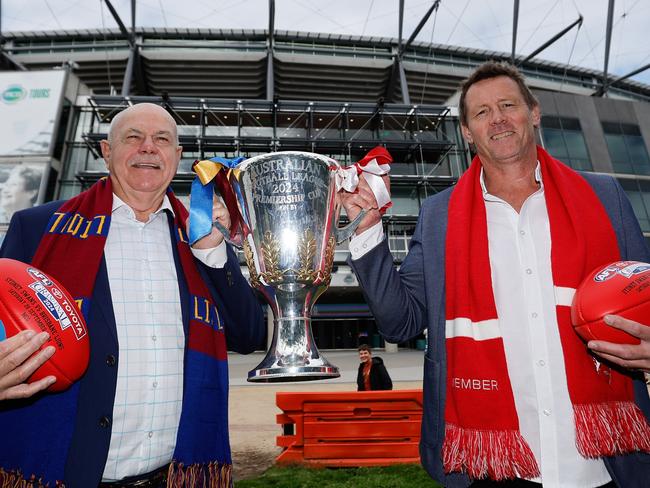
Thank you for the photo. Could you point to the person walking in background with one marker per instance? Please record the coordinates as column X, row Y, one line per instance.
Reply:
column 372, row 375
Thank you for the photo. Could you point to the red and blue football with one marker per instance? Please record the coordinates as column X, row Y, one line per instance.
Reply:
column 30, row 299
column 621, row 288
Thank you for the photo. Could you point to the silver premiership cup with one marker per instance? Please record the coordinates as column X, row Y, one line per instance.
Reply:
column 287, row 201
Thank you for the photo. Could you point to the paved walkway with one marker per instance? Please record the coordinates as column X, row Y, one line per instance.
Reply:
column 252, row 409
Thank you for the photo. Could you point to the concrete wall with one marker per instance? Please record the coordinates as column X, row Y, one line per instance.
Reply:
column 590, row 111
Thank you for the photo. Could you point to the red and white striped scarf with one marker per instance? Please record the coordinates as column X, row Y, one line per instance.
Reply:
column 482, row 436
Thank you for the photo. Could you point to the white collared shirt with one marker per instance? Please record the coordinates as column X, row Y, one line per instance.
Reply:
column 520, row 260
column 146, row 303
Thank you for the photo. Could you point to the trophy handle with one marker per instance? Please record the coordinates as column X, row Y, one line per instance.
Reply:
column 237, row 242
column 346, row 232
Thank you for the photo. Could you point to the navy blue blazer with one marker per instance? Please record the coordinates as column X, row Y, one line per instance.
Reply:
column 241, row 312
column 407, row 301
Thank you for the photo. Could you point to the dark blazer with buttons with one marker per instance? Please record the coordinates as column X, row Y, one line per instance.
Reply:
column 88, row 447
column 407, row 301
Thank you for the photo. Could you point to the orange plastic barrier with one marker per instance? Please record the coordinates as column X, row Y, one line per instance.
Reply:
column 369, row 428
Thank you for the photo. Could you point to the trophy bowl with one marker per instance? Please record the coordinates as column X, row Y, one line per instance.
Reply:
column 289, row 231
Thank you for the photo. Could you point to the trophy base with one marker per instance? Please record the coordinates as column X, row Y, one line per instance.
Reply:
column 293, row 373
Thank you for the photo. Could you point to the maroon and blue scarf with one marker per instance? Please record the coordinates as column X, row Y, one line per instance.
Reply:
column 71, row 251
column 482, row 436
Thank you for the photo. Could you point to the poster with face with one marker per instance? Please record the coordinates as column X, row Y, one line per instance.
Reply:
column 19, row 186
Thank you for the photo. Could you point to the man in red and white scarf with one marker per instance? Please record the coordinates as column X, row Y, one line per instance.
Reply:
column 512, row 396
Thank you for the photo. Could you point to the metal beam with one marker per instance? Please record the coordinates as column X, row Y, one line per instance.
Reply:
column 133, row 18
column 406, row 98
column 604, row 88
column 551, row 40
column 392, row 79
column 4, row 55
column 631, row 73
column 138, row 70
column 120, row 24
column 417, row 30
column 9, row 59
column 270, row 74
column 515, row 24
column 130, row 64
column 400, row 28
column 397, row 68
column 128, row 73
column 608, row 42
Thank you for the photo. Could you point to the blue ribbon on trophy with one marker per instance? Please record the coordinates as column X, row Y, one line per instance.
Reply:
column 208, row 173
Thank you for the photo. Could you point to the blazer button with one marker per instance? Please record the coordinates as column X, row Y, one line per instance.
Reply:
column 229, row 278
column 110, row 360
column 105, row 422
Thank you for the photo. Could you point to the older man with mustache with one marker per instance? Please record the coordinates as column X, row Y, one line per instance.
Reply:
column 151, row 410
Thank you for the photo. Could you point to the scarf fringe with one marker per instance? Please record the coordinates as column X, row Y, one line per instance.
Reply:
column 15, row 479
column 210, row 475
column 610, row 429
column 499, row 455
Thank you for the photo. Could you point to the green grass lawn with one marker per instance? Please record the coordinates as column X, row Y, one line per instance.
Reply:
column 399, row 476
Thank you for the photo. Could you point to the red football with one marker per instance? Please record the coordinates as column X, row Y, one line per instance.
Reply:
column 29, row 299
column 621, row 288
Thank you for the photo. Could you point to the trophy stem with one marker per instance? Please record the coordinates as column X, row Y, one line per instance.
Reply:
column 293, row 355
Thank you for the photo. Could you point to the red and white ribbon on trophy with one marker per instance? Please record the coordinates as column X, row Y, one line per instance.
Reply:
column 374, row 165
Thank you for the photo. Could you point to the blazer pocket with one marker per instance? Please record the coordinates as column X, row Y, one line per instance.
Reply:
column 433, row 391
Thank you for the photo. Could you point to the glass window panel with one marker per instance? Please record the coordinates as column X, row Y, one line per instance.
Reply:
column 571, row 124
column 618, row 153
column 630, row 129
column 189, row 130
column 582, row 165
column 397, row 122
column 622, row 168
column 555, row 143
column 576, row 146
column 645, row 194
column 643, row 185
column 637, row 203
column 361, row 134
column 629, row 185
column 395, row 135
column 638, row 155
column 397, row 244
column 221, row 130
column 646, row 202
column 405, row 201
column 611, row 127
column 617, row 150
column 549, row 122
column 640, row 202
column 327, row 134
column 403, row 168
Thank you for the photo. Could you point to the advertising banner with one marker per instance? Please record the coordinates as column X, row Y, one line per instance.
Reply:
column 29, row 106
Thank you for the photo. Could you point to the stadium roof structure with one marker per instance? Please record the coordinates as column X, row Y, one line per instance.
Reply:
column 288, row 65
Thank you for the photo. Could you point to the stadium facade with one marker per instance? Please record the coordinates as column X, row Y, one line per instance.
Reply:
column 243, row 93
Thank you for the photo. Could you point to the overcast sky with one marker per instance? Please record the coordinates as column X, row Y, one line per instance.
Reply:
column 484, row 24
